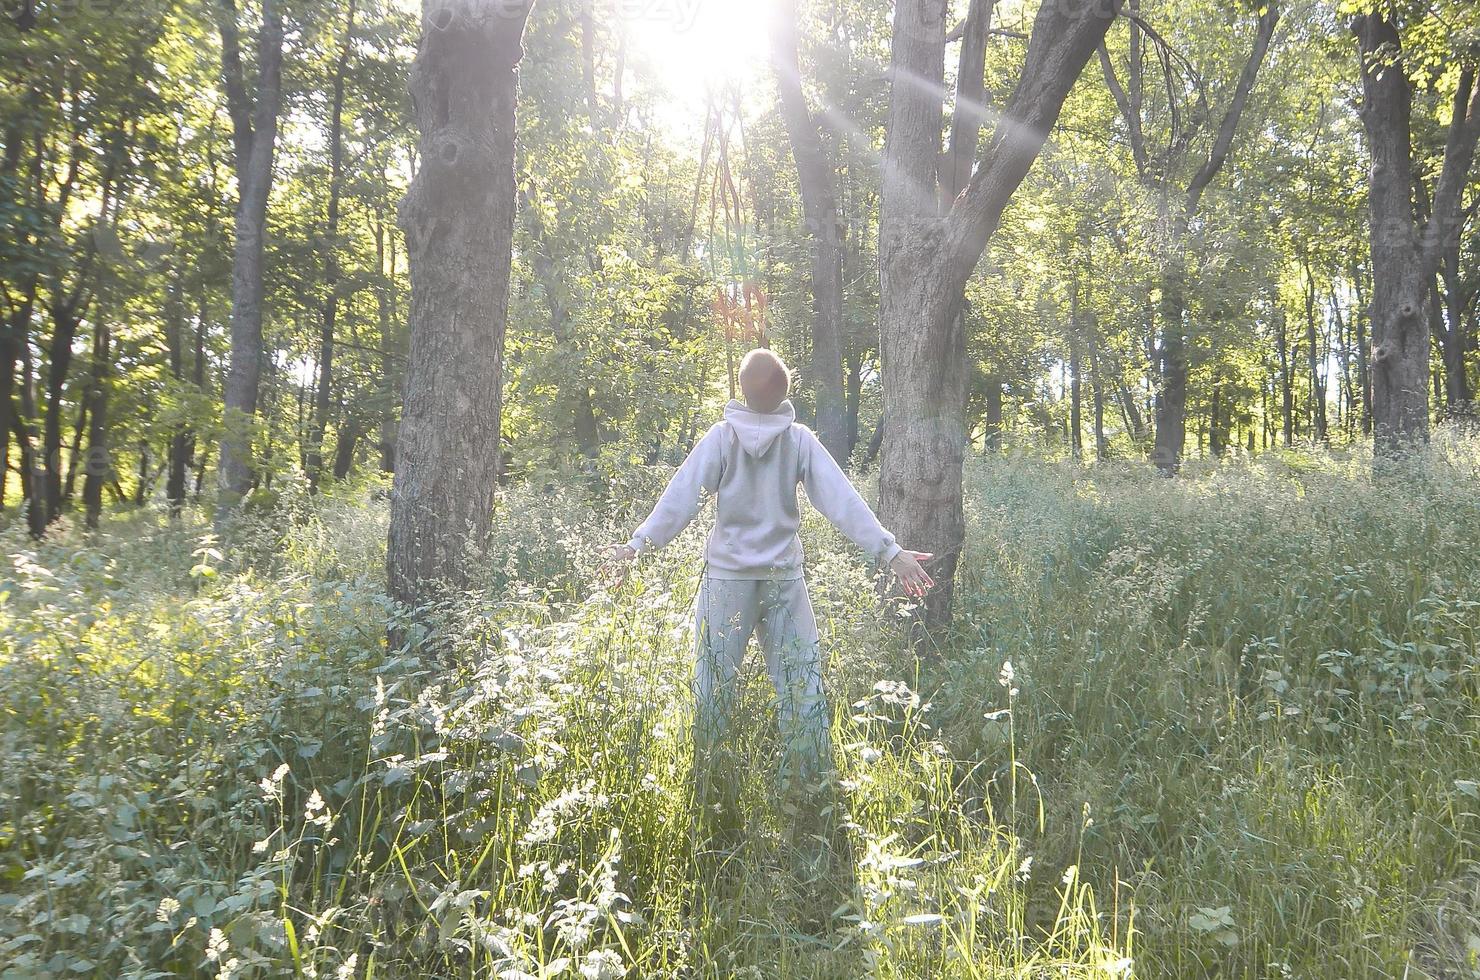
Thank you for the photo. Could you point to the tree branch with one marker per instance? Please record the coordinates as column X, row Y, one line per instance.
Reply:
column 1229, row 127
column 1459, row 155
column 1065, row 35
column 1128, row 112
column 233, row 77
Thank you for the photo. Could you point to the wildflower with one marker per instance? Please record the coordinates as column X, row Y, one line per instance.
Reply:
column 272, row 786
column 1006, row 677
column 168, row 906
column 602, row 964
column 216, row 945
column 311, row 811
column 346, row 969
column 228, row 969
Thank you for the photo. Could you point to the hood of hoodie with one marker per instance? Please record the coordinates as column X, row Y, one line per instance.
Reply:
column 758, row 430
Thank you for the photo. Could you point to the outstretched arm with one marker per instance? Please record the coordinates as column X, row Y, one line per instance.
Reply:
column 680, row 500
column 832, row 493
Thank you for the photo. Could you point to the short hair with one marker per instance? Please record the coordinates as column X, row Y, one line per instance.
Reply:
column 765, row 380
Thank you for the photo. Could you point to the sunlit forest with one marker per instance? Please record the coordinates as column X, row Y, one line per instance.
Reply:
column 346, row 341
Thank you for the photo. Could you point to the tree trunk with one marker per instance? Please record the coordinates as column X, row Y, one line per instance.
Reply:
column 992, row 424
column 177, row 457
column 1314, row 360
column 1076, row 406
column 852, row 396
column 1287, row 384
column 817, row 180
column 99, row 465
column 1405, row 256
column 32, row 474
column 459, row 221
column 1455, row 340
column 1400, row 335
column 64, row 333
column 323, row 391
column 385, row 302
column 1173, row 367
column 345, row 444
column 17, row 337
column 254, row 121
column 1364, row 362
column 925, row 260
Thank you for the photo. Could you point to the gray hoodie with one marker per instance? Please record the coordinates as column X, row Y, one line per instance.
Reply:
column 752, row 463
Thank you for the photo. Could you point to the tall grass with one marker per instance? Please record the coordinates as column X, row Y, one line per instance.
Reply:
column 1223, row 726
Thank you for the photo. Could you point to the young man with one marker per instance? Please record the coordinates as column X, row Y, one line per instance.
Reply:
column 752, row 462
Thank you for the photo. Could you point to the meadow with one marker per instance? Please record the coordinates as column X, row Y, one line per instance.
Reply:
column 1223, row 726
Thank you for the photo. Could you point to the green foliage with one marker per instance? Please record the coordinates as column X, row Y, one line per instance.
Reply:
column 1141, row 745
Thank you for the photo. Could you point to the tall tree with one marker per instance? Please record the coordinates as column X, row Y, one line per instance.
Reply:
column 926, row 258
column 1405, row 251
column 1172, row 347
column 329, row 316
column 459, row 221
column 254, row 109
column 817, row 179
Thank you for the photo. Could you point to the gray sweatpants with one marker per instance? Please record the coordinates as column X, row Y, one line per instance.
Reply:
column 779, row 613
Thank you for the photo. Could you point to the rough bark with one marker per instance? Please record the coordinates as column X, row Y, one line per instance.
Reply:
column 925, row 260
column 254, row 123
column 1405, row 252
column 459, row 221
column 817, row 179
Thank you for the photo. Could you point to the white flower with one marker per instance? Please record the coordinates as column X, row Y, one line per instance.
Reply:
column 1006, row 676
column 167, row 909
column 602, row 964
column 228, row 969
column 346, row 969
column 312, row 810
column 216, row 945
column 272, row 786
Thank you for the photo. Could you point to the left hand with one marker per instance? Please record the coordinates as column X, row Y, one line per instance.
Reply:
column 914, row 579
column 619, row 558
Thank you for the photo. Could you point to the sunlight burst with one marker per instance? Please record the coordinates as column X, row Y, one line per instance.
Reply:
column 695, row 46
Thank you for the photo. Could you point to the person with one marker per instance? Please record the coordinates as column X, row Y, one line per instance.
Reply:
column 752, row 582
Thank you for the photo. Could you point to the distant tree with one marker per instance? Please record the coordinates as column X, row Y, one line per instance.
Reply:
column 254, row 105
column 824, row 226
column 1182, row 208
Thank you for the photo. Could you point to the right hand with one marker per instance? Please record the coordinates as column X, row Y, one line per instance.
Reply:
column 914, row 579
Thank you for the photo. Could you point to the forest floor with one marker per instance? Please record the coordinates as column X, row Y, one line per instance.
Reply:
column 1237, row 737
